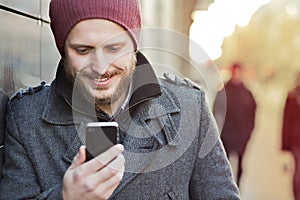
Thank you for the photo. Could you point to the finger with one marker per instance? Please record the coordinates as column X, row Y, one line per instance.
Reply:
column 100, row 183
column 112, row 183
column 117, row 164
column 108, row 187
column 108, row 171
column 103, row 159
column 79, row 158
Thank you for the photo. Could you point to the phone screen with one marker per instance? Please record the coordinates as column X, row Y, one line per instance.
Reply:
column 100, row 136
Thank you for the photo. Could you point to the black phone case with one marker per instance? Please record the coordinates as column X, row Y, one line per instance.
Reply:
column 99, row 139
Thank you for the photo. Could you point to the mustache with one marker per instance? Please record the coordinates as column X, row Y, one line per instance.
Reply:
column 88, row 72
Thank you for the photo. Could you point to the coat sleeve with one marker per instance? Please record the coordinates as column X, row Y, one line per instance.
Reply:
column 212, row 175
column 19, row 180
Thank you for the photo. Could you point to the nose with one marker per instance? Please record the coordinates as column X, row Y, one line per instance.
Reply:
column 100, row 62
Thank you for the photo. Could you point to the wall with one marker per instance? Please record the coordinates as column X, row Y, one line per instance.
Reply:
column 27, row 53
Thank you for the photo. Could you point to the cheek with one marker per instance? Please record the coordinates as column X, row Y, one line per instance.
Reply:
column 76, row 63
column 124, row 61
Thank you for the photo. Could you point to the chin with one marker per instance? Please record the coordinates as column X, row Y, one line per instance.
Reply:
column 100, row 95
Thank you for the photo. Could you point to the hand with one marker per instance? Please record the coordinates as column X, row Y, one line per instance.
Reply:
column 94, row 179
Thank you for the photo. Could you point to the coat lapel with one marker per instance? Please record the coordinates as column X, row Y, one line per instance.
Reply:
column 145, row 137
column 55, row 112
column 77, row 142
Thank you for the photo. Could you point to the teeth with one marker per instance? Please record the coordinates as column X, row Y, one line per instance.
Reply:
column 101, row 79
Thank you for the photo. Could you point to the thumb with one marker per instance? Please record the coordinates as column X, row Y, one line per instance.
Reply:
column 79, row 158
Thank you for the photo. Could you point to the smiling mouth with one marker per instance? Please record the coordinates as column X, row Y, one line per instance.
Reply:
column 101, row 79
column 102, row 82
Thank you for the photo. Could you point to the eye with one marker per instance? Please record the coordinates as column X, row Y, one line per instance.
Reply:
column 113, row 48
column 82, row 50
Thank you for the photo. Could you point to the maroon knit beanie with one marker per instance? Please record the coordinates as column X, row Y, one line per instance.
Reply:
column 65, row 14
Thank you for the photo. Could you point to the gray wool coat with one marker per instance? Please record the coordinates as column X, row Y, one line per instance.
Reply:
column 172, row 147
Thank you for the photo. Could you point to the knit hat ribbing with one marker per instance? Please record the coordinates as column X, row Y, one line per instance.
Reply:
column 65, row 14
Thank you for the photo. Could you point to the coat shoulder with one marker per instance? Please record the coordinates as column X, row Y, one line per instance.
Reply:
column 182, row 86
column 28, row 91
column 177, row 81
column 177, row 88
column 30, row 97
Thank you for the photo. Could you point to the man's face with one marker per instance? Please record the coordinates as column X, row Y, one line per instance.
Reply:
column 100, row 57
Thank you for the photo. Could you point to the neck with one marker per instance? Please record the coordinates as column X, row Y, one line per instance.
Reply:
column 115, row 105
column 112, row 107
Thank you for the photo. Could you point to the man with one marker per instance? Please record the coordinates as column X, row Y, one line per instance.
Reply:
column 102, row 77
column 239, row 118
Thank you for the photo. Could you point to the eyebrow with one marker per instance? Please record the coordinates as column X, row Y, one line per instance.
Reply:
column 78, row 45
column 120, row 43
column 75, row 46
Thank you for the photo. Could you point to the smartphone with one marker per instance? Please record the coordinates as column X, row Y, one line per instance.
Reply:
column 99, row 137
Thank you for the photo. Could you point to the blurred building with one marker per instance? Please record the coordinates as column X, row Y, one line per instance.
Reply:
column 167, row 25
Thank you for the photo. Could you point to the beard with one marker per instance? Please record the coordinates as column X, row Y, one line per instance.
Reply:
column 80, row 84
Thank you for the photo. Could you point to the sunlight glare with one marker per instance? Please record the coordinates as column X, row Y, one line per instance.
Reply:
column 211, row 26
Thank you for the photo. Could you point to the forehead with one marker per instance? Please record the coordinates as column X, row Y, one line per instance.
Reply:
column 97, row 30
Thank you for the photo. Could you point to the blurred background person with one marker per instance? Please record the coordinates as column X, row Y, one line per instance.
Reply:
column 291, row 132
column 239, row 117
